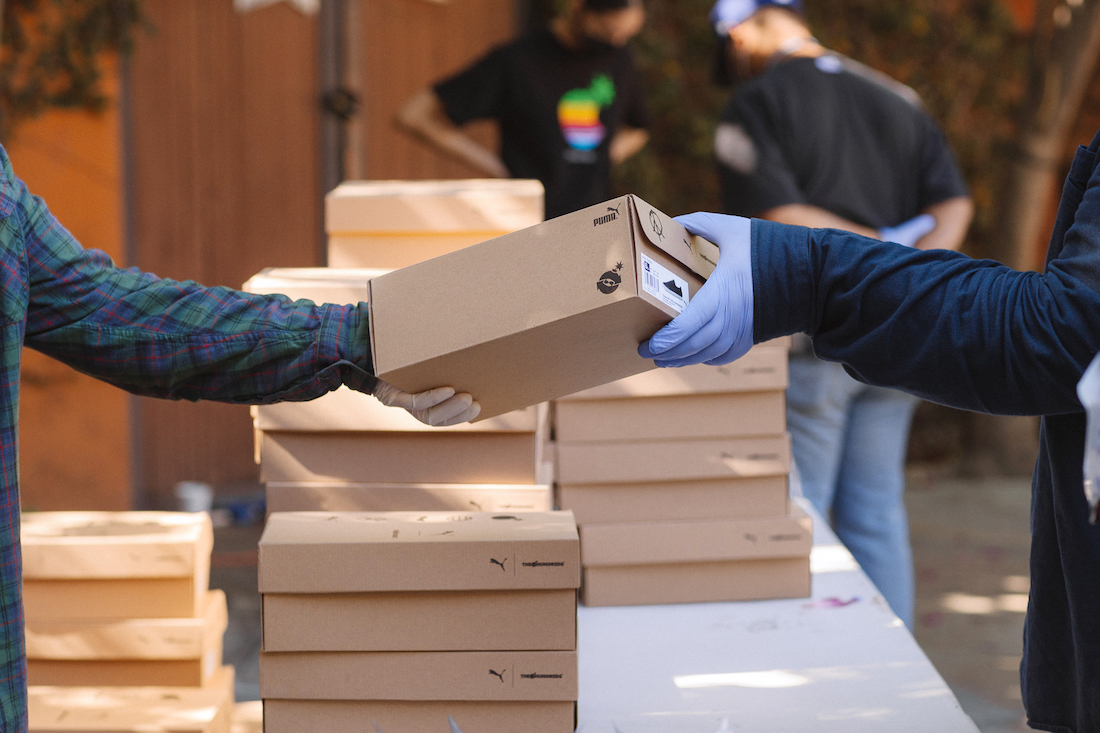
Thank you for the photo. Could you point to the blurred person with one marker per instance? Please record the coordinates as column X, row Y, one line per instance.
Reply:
column 568, row 100
column 158, row 338
column 815, row 139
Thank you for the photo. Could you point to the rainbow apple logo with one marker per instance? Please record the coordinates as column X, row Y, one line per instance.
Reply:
column 579, row 113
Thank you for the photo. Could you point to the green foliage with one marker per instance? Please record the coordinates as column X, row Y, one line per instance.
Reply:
column 53, row 53
column 964, row 57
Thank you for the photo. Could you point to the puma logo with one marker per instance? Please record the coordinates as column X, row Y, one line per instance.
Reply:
column 615, row 209
column 499, row 674
column 500, row 563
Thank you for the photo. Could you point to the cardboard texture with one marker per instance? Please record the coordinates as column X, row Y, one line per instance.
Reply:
column 319, row 284
column 418, row 676
column 349, row 716
column 133, row 709
column 736, row 580
column 85, row 545
column 158, row 638
column 763, row 368
column 126, row 673
column 309, row 497
column 656, row 543
column 672, row 500
column 363, row 552
column 127, row 598
column 399, row 223
column 737, row 415
column 509, row 620
column 400, row 458
column 672, row 460
column 347, row 410
column 540, row 313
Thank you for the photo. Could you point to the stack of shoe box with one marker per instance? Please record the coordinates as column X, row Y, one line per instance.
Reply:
column 679, row 482
column 392, row 224
column 120, row 600
column 412, row 622
column 347, row 452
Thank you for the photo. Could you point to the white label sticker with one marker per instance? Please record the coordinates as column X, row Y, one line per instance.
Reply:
column 664, row 285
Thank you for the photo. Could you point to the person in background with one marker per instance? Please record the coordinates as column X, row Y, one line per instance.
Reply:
column 812, row 138
column 568, row 100
column 158, row 338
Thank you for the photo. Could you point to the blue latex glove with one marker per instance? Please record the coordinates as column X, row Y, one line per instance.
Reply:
column 908, row 233
column 716, row 326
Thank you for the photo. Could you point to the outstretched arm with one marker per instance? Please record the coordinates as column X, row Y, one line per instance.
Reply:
column 424, row 117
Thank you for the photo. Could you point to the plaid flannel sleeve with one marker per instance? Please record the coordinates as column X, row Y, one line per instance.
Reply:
column 179, row 340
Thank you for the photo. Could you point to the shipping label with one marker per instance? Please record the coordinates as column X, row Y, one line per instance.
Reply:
column 665, row 285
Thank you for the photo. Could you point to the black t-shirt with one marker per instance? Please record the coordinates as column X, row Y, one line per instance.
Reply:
column 837, row 135
column 558, row 109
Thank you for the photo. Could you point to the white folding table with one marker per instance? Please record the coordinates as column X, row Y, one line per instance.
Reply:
column 837, row 661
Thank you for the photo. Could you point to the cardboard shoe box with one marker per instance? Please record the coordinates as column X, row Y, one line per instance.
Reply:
column 172, row 652
column 672, row 460
column 658, row 543
column 399, row 223
column 363, row 552
column 313, row 497
column 701, row 582
column 677, row 417
column 133, row 709
column 764, row 368
column 540, row 313
column 115, row 565
column 671, row 500
column 521, row 620
column 459, row 457
column 550, row 676
column 356, row 716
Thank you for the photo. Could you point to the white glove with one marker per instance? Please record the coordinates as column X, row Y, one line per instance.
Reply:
column 437, row 407
column 908, row 233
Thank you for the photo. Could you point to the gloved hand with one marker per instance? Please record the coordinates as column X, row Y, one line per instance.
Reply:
column 437, row 407
column 716, row 326
column 908, row 233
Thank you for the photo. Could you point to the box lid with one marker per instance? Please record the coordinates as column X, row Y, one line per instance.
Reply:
column 85, row 545
column 348, row 552
column 494, row 206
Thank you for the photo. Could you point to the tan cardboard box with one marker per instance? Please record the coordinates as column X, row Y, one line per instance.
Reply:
column 507, row 620
column 357, row 716
column 671, row 500
column 418, row 676
column 85, row 545
column 133, row 709
column 126, row 672
column 347, row 410
column 105, row 600
column 400, row 457
column 319, row 284
column 540, row 313
column 677, row 417
column 764, row 368
column 734, row 580
column 659, row 543
column 318, row 497
column 672, row 460
column 142, row 638
column 363, row 552
column 399, row 223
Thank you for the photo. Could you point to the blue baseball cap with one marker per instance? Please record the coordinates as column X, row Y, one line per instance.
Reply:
column 729, row 13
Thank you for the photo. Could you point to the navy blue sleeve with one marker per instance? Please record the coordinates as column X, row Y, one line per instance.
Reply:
column 972, row 334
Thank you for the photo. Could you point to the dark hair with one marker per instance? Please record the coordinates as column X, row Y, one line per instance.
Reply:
column 603, row 6
column 721, row 74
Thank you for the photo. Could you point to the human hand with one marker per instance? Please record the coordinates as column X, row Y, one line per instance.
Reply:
column 908, row 233
column 716, row 326
column 437, row 407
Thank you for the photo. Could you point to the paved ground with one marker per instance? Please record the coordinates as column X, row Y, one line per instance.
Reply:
column 970, row 542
